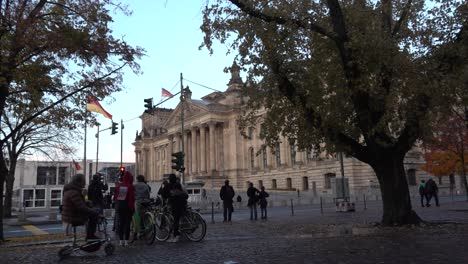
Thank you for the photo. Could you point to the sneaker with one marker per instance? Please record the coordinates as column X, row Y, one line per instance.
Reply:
column 173, row 239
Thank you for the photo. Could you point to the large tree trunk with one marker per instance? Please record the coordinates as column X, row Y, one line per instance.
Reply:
column 3, row 173
column 397, row 208
column 10, row 180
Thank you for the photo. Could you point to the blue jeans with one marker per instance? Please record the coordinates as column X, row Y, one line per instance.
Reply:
column 253, row 211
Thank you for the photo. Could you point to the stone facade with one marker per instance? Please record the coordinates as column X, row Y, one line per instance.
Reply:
column 215, row 151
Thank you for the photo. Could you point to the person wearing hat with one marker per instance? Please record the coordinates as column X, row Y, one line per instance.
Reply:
column 227, row 194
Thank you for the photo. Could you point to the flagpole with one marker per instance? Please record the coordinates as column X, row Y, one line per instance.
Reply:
column 84, row 154
column 97, row 149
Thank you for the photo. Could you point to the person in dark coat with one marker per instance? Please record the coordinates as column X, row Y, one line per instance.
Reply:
column 422, row 192
column 263, row 202
column 95, row 190
column 431, row 190
column 227, row 194
column 176, row 198
column 125, row 203
column 252, row 193
column 75, row 211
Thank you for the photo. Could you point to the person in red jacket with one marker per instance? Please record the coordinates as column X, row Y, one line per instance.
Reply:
column 124, row 198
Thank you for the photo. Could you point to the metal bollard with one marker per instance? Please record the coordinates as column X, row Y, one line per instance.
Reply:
column 365, row 205
column 321, row 205
column 292, row 208
column 212, row 212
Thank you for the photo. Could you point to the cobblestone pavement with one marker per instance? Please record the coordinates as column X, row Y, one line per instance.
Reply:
column 331, row 238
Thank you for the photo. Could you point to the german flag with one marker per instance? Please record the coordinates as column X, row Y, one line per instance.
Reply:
column 165, row 93
column 94, row 106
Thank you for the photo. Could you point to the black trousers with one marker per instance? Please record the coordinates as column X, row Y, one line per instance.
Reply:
column 227, row 210
column 125, row 218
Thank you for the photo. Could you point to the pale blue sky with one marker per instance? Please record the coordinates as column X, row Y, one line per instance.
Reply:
column 170, row 33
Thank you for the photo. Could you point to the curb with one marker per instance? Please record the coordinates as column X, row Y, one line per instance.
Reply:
column 43, row 222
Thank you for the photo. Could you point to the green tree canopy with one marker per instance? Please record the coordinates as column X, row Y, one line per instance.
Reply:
column 364, row 77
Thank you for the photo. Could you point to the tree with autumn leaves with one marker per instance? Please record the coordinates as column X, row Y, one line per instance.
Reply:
column 366, row 78
column 52, row 55
column 447, row 152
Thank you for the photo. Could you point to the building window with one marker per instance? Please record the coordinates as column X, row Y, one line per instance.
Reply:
column 305, row 183
column 278, row 154
column 55, row 197
column 440, row 180
column 452, row 179
column 251, row 130
column 252, row 158
column 34, row 197
column 293, row 154
column 62, row 175
column 412, row 177
column 46, row 175
column 288, row 183
column 260, row 183
column 328, row 179
column 273, row 184
column 264, row 156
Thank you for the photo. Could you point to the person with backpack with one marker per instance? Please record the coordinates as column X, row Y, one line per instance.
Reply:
column 252, row 193
column 124, row 197
column 431, row 190
column 176, row 198
column 227, row 194
column 263, row 202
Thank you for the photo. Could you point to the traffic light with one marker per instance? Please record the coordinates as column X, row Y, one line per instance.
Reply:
column 122, row 169
column 121, row 173
column 148, row 105
column 114, row 128
column 178, row 161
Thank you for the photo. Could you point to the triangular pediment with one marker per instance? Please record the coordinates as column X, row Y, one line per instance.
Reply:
column 191, row 109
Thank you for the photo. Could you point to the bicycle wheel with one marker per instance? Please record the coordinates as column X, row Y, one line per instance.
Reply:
column 149, row 229
column 163, row 227
column 194, row 227
column 133, row 231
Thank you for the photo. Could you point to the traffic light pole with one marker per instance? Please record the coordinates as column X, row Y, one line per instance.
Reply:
column 182, row 101
column 121, row 141
column 97, row 145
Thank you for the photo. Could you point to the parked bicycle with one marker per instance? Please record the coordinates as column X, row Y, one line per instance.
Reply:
column 143, row 227
column 192, row 224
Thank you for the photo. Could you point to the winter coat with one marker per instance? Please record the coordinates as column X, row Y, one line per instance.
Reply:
column 431, row 187
column 421, row 188
column 175, row 194
column 74, row 209
column 262, row 199
column 142, row 191
column 252, row 193
column 227, row 193
column 95, row 193
column 125, row 191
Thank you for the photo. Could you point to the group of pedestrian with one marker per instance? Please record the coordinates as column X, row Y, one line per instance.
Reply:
column 427, row 190
column 80, row 210
column 255, row 197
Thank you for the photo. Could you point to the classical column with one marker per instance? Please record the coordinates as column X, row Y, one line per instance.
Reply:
column 169, row 152
column 212, row 146
column 187, row 159
column 202, row 148
column 194, row 150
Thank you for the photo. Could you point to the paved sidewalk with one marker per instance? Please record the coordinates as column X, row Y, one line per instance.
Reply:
column 306, row 237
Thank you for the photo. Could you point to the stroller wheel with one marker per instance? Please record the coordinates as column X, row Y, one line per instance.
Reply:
column 109, row 249
column 65, row 251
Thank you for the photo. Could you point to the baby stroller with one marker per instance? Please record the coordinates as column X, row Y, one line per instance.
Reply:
column 92, row 245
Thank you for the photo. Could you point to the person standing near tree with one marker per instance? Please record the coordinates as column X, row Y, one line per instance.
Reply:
column 431, row 190
column 422, row 192
column 227, row 194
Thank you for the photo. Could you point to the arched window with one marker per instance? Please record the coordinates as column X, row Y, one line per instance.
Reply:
column 293, row 154
column 264, row 157
column 278, row 154
column 288, row 183
column 273, row 184
column 252, row 158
